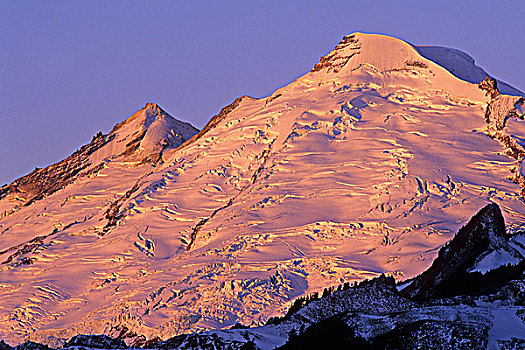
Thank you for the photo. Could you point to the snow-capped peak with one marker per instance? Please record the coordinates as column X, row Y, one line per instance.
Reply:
column 148, row 132
column 387, row 53
column 141, row 138
column 384, row 61
column 383, row 52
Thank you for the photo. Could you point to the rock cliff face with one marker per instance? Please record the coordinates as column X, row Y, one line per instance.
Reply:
column 483, row 235
column 500, row 111
column 340, row 56
column 481, row 232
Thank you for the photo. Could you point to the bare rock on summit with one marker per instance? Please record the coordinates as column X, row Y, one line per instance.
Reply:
column 490, row 85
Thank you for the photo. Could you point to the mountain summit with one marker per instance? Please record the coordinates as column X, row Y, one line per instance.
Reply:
column 366, row 165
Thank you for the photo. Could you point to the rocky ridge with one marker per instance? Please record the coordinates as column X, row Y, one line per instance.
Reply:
column 142, row 137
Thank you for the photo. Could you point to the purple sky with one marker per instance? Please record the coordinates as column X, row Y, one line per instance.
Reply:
column 69, row 69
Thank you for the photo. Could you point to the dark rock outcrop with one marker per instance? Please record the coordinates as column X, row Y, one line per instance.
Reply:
column 499, row 110
column 95, row 342
column 490, row 86
column 332, row 333
column 334, row 61
column 448, row 276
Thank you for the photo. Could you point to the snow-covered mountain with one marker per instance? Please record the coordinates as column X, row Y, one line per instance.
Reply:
column 366, row 165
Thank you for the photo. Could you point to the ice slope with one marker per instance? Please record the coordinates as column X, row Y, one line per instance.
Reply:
column 365, row 165
column 462, row 66
column 482, row 311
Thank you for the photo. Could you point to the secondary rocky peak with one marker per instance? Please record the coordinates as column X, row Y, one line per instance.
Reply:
column 142, row 116
column 153, row 109
column 483, row 234
column 141, row 138
column 150, row 130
